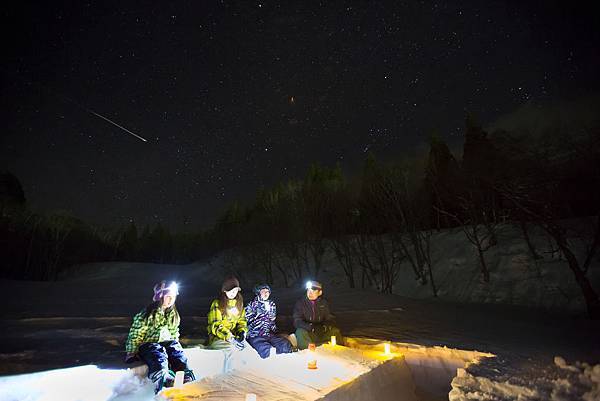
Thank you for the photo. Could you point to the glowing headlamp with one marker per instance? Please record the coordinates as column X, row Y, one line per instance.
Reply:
column 173, row 287
column 312, row 285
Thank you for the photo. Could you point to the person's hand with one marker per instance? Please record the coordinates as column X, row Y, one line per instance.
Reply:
column 131, row 357
column 319, row 329
column 236, row 343
column 239, row 345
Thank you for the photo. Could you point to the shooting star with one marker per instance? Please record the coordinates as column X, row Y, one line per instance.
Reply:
column 102, row 117
column 114, row 123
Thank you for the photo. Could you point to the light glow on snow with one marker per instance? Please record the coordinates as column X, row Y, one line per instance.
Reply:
column 72, row 384
column 234, row 376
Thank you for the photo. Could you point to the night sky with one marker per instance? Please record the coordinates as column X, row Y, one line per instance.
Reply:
column 232, row 96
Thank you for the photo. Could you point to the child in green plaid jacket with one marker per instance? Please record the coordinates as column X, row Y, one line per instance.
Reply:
column 154, row 338
column 227, row 324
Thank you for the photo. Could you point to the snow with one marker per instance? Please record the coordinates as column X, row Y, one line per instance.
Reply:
column 361, row 371
column 561, row 382
column 522, row 336
column 342, row 373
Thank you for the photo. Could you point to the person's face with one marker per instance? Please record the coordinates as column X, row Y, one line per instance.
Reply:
column 313, row 293
column 168, row 300
column 265, row 294
column 231, row 294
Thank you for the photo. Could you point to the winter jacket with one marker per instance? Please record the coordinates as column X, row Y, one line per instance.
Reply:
column 220, row 327
column 261, row 318
column 158, row 327
column 308, row 314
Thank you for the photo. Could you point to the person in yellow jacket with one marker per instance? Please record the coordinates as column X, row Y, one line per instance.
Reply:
column 227, row 326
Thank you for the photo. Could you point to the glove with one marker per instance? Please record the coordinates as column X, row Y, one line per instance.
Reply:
column 239, row 345
column 131, row 357
column 319, row 329
column 236, row 343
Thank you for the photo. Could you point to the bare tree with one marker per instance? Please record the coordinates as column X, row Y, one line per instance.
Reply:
column 479, row 227
column 523, row 199
column 343, row 249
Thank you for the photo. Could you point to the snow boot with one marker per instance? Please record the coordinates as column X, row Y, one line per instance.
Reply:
column 188, row 376
column 162, row 379
column 170, row 379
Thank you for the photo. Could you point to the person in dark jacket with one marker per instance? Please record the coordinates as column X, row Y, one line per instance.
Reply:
column 262, row 330
column 312, row 318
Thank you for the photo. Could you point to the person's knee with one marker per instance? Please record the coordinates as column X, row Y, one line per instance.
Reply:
column 303, row 333
column 264, row 352
column 284, row 348
column 261, row 347
column 303, row 338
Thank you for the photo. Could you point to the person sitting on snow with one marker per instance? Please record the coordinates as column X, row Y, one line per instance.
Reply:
column 227, row 324
column 154, row 338
column 262, row 330
column 313, row 321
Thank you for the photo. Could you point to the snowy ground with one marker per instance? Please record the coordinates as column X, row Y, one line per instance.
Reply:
column 83, row 320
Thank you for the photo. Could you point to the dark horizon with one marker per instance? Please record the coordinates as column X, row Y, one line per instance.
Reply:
column 232, row 97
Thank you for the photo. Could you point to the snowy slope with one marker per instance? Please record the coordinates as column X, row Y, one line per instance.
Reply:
column 515, row 277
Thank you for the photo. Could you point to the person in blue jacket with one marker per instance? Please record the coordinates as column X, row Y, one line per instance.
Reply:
column 262, row 329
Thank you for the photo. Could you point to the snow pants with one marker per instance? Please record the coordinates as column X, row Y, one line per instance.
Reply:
column 163, row 356
column 263, row 345
column 319, row 336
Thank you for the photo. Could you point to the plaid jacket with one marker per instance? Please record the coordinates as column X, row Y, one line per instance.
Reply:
column 219, row 326
column 261, row 318
column 155, row 328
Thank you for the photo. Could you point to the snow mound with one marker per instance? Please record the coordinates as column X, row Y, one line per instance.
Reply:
column 556, row 382
column 342, row 374
column 359, row 372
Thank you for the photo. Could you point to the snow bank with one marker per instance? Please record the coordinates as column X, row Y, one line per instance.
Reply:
column 557, row 382
column 359, row 372
column 343, row 374
column 87, row 383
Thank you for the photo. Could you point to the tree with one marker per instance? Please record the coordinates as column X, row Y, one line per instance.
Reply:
column 441, row 182
column 317, row 206
column 130, row 242
column 536, row 187
column 11, row 191
column 378, row 247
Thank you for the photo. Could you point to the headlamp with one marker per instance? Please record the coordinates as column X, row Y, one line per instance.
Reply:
column 173, row 287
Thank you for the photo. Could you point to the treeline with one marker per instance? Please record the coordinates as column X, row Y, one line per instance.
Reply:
column 36, row 246
column 385, row 217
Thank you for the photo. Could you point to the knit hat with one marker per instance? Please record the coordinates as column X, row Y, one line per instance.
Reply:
column 161, row 289
column 230, row 283
column 261, row 287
